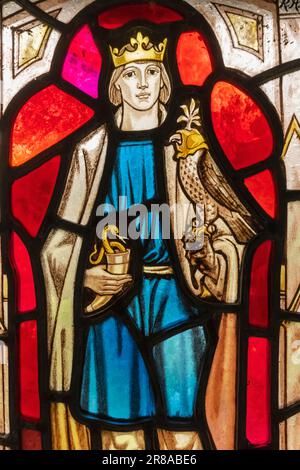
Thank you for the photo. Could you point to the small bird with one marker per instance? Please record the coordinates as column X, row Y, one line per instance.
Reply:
column 202, row 181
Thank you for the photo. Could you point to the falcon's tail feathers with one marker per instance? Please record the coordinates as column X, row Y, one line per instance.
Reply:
column 241, row 229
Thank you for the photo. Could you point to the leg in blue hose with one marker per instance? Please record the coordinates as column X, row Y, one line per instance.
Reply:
column 179, row 361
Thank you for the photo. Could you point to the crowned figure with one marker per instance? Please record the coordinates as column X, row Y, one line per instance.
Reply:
column 142, row 367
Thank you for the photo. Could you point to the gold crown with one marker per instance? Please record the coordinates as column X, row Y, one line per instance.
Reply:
column 139, row 48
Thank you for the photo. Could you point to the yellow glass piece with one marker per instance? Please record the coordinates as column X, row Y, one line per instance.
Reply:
column 133, row 440
column 67, row 433
column 282, row 367
column 140, row 48
column 191, row 142
column 178, row 440
column 246, row 30
column 32, row 43
column 158, row 270
column 3, row 310
column 283, row 287
column 4, row 390
column 293, row 130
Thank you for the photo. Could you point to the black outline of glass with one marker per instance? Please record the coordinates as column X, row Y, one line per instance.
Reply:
column 273, row 229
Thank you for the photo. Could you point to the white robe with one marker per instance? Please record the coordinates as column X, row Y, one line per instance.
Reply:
column 62, row 249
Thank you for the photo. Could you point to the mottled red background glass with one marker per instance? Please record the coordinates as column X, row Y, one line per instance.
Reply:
column 262, row 188
column 45, row 119
column 258, row 392
column 31, row 195
column 25, row 290
column 240, row 126
column 193, row 59
column 31, row 440
column 119, row 16
column 260, row 286
column 28, row 360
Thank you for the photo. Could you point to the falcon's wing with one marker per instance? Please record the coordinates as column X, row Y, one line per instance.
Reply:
column 218, row 187
column 236, row 215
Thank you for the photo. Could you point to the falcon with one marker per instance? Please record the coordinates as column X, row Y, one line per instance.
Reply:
column 203, row 182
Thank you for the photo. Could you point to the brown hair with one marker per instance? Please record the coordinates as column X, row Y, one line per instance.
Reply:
column 115, row 96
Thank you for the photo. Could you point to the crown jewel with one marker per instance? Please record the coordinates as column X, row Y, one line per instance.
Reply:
column 139, row 48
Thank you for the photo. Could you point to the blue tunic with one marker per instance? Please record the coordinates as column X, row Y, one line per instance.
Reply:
column 116, row 382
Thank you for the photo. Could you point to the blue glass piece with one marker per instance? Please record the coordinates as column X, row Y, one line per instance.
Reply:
column 115, row 380
column 179, row 360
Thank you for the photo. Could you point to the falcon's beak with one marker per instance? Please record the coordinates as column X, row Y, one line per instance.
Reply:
column 176, row 138
column 191, row 141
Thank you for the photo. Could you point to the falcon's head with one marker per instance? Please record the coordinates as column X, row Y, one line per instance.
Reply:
column 189, row 140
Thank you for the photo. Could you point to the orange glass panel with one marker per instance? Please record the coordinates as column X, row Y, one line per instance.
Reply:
column 220, row 399
column 48, row 117
column 193, row 59
column 240, row 126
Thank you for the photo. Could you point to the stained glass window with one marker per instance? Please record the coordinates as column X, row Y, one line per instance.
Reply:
column 150, row 240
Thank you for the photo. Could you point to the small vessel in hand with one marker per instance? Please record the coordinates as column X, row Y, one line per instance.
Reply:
column 112, row 255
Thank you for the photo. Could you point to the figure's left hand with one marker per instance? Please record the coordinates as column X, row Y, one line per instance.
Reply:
column 205, row 259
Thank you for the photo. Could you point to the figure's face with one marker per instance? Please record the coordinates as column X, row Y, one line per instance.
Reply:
column 140, row 85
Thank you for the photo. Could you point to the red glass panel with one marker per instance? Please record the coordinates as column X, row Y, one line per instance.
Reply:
column 48, row 117
column 240, row 126
column 119, row 16
column 26, row 299
column 193, row 59
column 31, row 195
column 258, row 392
column 262, row 188
column 31, row 440
column 29, row 386
column 259, row 287
column 83, row 63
